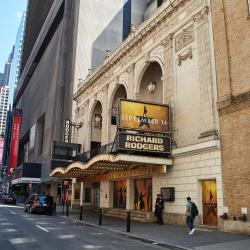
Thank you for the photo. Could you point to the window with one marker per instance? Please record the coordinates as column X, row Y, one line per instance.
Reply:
column 159, row 3
column 113, row 116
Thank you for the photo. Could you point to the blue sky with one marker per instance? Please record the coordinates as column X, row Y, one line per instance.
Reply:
column 10, row 17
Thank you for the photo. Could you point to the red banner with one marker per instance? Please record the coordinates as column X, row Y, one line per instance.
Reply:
column 14, row 142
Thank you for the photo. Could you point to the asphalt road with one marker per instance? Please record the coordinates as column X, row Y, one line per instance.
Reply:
column 20, row 230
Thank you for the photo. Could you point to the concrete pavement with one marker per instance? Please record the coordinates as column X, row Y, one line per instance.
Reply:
column 24, row 231
column 171, row 236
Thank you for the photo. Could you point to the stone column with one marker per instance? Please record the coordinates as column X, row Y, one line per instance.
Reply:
column 81, row 194
column 130, row 71
column 104, row 137
column 88, row 135
column 130, row 194
column 111, row 194
column 73, row 193
column 208, row 125
column 168, row 80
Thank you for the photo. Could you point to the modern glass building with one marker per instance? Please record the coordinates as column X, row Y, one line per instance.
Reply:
column 17, row 55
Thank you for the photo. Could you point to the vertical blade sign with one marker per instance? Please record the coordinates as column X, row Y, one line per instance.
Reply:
column 14, row 142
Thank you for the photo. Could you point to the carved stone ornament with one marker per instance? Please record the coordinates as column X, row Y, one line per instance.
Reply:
column 105, row 88
column 133, row 28
column 184, row 57
column 184, row 38
column 201, row 14
column 167, row 42
column 130, row 68
column 147, row 57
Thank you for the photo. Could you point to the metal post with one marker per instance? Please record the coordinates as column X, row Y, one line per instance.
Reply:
column 100, row 217
column 128, row 221
column 81, row 211
column 67, row 209
column 63, row 208
column 54, row 208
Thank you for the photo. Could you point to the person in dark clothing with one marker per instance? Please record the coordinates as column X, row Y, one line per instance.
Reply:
column 159, row 206
column 141, row 201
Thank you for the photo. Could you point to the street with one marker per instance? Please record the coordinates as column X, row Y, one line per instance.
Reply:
column 20, row 230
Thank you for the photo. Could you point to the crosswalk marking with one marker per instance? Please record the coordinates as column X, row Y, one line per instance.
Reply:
column 21, row 240
column 43, row 229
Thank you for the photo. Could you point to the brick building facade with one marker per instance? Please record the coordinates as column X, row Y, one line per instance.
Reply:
column 232, row 58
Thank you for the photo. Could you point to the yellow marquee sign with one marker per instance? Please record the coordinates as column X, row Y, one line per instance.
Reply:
column 143, row 116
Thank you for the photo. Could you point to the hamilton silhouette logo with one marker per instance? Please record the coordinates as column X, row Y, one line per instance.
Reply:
column 211, row 206
column 144, row 119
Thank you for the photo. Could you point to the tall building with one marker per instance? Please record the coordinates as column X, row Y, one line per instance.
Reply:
column 61, row 42
column 5, row 77
column 4, row 91
column 1, row 78
column 4, row 94
column 17, row 56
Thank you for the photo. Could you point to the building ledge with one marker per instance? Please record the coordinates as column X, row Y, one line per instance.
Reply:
column 197, row 148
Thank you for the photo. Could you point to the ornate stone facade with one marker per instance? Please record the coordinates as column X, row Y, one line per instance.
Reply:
column 175, row 47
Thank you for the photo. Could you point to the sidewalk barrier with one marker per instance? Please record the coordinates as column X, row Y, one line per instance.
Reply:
column 128, row 221
column 63, row 208
column 81, row 212
column 67, row 210
column 54, row 208
column 100, row 217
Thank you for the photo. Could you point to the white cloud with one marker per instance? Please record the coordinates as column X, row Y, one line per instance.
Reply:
column 19, row 16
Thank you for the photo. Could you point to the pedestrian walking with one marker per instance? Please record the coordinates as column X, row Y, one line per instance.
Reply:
column 159, row 206
column 191, row 212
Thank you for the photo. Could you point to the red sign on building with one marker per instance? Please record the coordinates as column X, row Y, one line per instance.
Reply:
column 14, row 142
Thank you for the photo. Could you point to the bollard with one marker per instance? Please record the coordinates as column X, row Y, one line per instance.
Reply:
column 128, row 221
column 63, row 208
column 54, row 208
column 81, row 211
column 100, row 217
column 67, row 209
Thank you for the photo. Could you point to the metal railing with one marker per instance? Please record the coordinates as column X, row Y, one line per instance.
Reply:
column 109, row 148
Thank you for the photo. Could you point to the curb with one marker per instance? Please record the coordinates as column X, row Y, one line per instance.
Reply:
column 129, row 235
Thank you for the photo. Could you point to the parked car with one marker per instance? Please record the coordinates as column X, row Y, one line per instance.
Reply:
column 9, row 199
column 39, row 203
column 1, row 196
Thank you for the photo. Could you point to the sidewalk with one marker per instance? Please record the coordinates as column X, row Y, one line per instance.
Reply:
column 171, row 236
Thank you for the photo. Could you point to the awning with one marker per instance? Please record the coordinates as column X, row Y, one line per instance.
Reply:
column 102, row 163
column 24, row 180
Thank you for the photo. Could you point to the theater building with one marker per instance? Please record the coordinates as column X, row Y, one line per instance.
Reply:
column 149, row 121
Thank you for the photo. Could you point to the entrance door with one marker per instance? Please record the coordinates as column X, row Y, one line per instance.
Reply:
column 96, row 195
column 119, row 194
column 209, row 202
column 143, row 194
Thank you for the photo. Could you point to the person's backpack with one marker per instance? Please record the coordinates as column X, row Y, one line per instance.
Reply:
column 194, row 210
